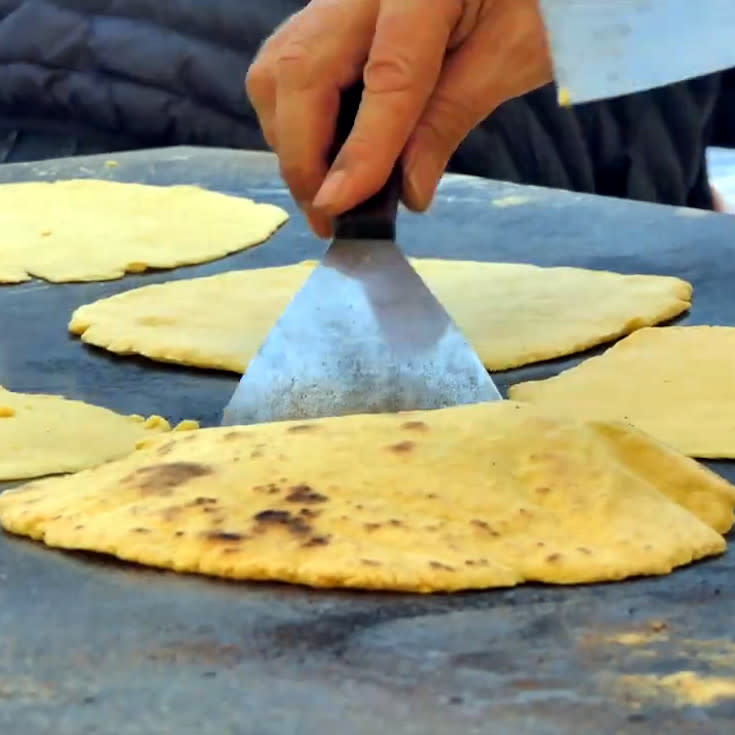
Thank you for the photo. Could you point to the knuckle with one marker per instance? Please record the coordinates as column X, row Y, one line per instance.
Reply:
column 258, row 82
column 293, row 64
column 390, row 71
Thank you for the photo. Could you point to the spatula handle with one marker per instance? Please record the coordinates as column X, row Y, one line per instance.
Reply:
column 375, row 218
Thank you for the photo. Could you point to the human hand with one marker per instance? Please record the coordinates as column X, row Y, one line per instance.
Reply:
column 432, row 71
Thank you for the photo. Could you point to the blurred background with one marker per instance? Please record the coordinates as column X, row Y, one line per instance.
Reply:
column 99, row 76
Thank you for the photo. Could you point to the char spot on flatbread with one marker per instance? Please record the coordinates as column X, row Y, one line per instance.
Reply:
column 302, row 428
column 317, row 541
column 203, row 501
column 305, row 494
column 161, row 479
column 402, row 447
column 284, row 519
column 415, row 426
column 225, row 536
column 165, row 449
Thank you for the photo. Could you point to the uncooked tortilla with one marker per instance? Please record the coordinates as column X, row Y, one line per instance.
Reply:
column 94, row 230
column 512, row 314
column 685, row 688
column 47, row 434
column 481, row 496
column 675, row 383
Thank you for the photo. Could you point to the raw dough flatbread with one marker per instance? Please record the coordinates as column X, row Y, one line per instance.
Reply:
column 513, row 314
column 675, row 383
column 46, row 434
column 94, row 230
column 480, row 496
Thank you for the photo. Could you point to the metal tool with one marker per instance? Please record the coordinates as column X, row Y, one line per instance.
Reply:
column 607, row 48
column 364, row 334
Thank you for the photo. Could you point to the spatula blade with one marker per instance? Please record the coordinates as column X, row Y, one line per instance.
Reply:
column 364, row 335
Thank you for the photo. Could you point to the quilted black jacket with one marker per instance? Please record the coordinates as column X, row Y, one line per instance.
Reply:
column 84, row 76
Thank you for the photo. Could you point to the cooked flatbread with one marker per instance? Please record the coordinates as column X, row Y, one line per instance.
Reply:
column 46, row 434
column 92, row 230
column 675, row 383
column 489, row 495
column 513, row 314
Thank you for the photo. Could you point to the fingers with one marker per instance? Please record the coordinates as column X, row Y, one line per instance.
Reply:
column 260, row 88
column 323, row 53
column 403, row 65
column 303, row 152
column 509, row 46
column 295, row 83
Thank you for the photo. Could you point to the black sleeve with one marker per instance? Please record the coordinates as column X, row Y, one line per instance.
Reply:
column 648, row 146
column 723, row 122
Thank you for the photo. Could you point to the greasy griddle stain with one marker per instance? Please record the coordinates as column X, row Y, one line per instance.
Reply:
column 415, row 426
column 161, row 479
column 302, row 428
column 305, row 494
column 283, row 518
column 207, row 652
column 402, row 447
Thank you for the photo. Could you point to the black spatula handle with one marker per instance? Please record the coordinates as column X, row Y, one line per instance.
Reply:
column 375, row 218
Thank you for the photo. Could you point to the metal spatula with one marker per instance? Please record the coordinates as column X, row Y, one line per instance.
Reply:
column 364, row 334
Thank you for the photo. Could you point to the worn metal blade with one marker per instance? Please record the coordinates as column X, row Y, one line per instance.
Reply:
column 608, row 48
column 363, row 335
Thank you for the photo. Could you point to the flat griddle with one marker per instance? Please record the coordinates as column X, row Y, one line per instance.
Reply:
column 89, row 645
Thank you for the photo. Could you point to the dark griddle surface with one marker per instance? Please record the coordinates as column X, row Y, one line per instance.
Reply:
column 92, row 646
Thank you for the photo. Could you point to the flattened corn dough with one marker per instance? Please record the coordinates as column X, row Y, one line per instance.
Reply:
column 479, row 496
column 686, row 688
column 675, row 383
column 93, row 230
column 46, row 434
column 512, row 314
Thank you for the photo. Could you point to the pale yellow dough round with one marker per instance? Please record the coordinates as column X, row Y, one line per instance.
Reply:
column 48, row 434
column 95, row 230
column 675, row 383
column 513, row 314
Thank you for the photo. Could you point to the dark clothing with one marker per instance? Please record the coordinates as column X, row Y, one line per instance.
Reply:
column 648, row 146
column 86, row 76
